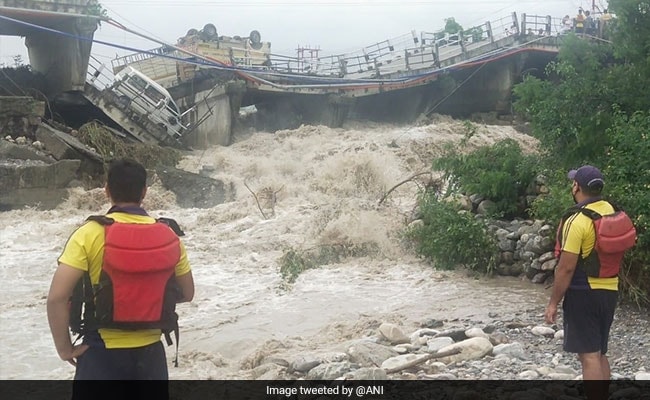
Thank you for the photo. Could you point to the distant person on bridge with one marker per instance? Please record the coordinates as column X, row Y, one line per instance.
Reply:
column 579, row 22
column 566, row 25
column 603, row 23
column 590, row 24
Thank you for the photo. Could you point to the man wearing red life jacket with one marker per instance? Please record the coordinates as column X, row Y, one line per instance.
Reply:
column 136, row 269
column 587, row 276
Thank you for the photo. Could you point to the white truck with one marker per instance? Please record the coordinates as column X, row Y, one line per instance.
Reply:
column 141, row 97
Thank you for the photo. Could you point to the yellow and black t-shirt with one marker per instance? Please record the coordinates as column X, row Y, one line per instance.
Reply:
column 579, row 237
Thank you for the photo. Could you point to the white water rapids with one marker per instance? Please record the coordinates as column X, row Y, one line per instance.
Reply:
column 328, row 183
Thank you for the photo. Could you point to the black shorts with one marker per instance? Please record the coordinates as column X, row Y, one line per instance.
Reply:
column 126, row 373
column 588, row 316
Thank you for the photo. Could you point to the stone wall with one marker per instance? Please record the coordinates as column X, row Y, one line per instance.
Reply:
column 526, row 246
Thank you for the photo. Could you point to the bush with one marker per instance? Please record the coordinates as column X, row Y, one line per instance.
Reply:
column 109, row 146
column 551, row 207
column 627, row 176
column 451, row 238
column 500, row 173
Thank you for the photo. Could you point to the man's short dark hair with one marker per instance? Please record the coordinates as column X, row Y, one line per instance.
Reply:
column 592, row 191
column 126, row 181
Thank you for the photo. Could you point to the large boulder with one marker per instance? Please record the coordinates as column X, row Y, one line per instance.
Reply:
column 194, row 190
column 470, row 349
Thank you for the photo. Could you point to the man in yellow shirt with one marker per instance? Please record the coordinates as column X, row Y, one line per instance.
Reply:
column 590, row 295
column 138, row 269
column 580, row 22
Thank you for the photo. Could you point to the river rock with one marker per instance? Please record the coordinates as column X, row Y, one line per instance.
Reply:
column 401, row 360
column 563, row 369
column 476, row 332
column 543, row 331
column 528, row 375
column 501, row 233
column 559, row 334
column 546, row 230
column 393, row 333
column 561, row 377
column 513, row 350
column 539, row 278
column 435, row 344
column 367, row 374
column 508, row 257
column 369, row 354
column 471, row 349
column 329, row 371
column 432, row 323
column 485, row 207
column 642, row 376
column 549, row 265
column 441, row 377
column 549, row 255
column 193, row 190
column 335, row 356
column 507, row 245
column 498, row 338
column 401, row 349
column 426, row 333
column 303, row 364
column 456, row 334
column 435, row 367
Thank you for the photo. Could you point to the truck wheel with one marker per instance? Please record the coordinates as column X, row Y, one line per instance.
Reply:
column 255, row 37
column 209, row 32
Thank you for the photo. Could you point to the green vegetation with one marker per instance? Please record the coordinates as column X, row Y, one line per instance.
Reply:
column 450, row 237
column 500, row 173
column 95, row 8
column 96, row 136
column 294, row 262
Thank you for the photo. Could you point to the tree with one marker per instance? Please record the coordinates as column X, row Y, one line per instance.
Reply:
column 451, row 26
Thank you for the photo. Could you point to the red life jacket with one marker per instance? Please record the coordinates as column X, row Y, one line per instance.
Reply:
column 137, row 288
column 615, row 234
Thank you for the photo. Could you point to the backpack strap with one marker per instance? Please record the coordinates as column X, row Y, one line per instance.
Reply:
column 101, row 219
column 591, row 213
column 168, row 339
column 172, row 224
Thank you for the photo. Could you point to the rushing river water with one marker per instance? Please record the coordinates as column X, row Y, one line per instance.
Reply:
column 327, row 185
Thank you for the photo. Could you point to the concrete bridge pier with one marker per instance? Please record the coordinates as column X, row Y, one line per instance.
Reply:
column 62, row 60
column 215, row 110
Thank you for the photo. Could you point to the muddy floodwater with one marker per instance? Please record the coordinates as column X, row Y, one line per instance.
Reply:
column 327, row 184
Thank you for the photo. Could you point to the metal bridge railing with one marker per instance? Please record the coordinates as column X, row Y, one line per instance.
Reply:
column 404, row 54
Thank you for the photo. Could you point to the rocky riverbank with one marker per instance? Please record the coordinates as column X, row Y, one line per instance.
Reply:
column 507, row 347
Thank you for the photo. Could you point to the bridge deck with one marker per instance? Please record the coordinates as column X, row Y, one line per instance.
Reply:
column 407, row 61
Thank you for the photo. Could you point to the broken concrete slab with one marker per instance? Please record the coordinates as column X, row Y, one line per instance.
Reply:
column 13, row 151
column 64, row 146
column 194, row 190
column 35, row 183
